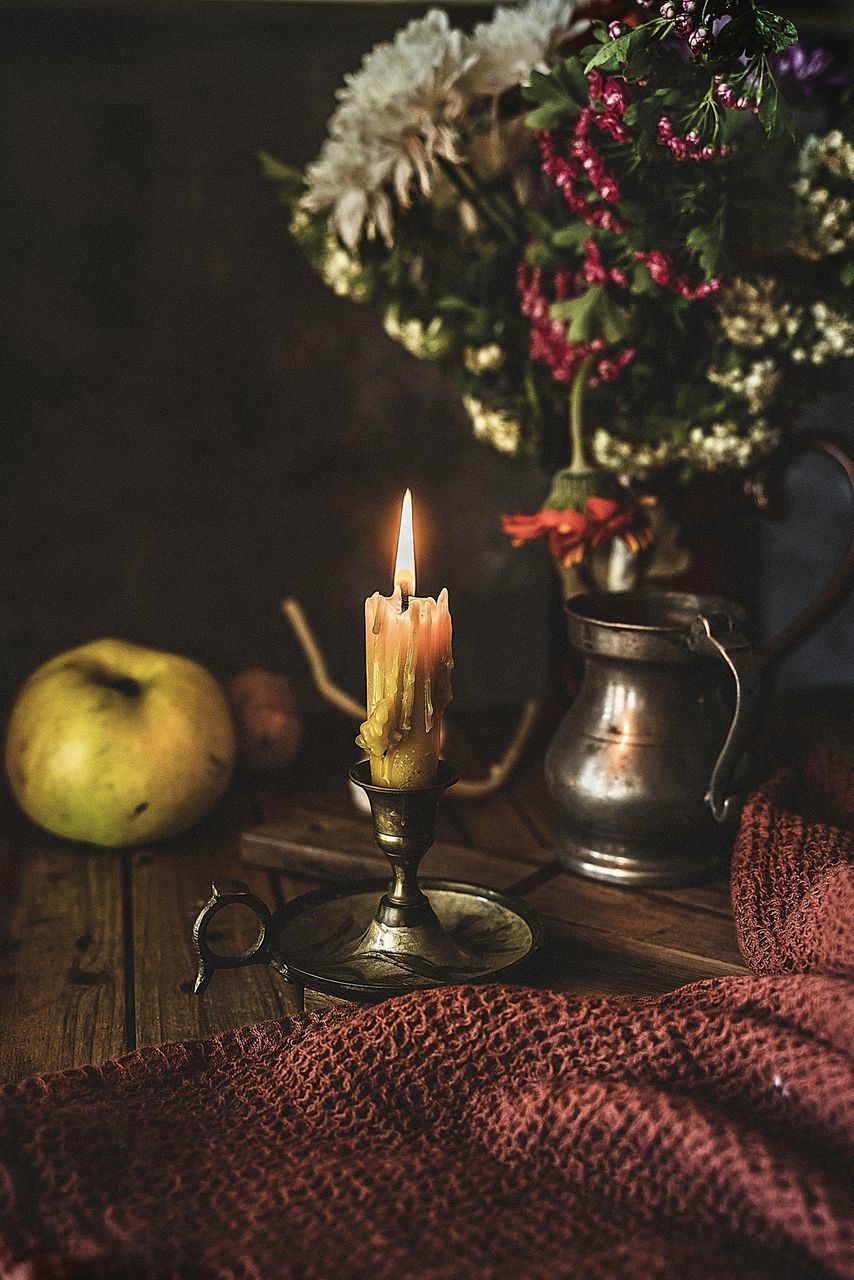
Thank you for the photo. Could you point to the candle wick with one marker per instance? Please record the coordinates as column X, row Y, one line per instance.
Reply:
column 404, row 598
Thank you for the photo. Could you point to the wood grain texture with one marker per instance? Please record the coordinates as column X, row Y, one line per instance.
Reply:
column 169, row 886
column 62, row 993
column 313, row 844
column 494, row 822
column 95, row 943
column 641, row 915
column 596, row 961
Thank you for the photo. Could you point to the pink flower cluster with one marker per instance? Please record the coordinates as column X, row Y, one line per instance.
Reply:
column 582, row 166
column 691, row 147
column 549, row 343
column 594, row 271
column 730, row 97
column 591, row 189
column 661, row 268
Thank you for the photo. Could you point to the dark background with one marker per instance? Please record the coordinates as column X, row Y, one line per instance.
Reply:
column 194, row 426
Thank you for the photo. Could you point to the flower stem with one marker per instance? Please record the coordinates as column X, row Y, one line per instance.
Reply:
column 579, row 463
column 469, row 191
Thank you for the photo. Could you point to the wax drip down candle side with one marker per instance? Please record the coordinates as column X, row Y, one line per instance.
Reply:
column 408, row 662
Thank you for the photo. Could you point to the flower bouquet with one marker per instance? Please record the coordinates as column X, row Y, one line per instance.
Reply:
column 607, row 232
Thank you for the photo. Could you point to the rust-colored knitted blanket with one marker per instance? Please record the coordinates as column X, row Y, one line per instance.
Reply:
column 486, row 1132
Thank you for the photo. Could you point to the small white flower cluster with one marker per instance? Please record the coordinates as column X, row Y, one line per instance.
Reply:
column 834, row 151
column 756, row 384
column 342, row 271
column 399, row 115
column 834, row 336
column 708, row 449
column 427, row 343
column 753, row 313
column 493, row 426
column 484, row 359
column 723, row 446
column 628, row 458
column 825, row 221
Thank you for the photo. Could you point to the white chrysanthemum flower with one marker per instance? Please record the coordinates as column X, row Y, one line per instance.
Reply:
column 396, row 117
column 516, row 42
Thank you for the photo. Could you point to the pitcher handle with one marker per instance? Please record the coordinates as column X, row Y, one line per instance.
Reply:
column 227, row 894
column 713, row 635
column 764, row 487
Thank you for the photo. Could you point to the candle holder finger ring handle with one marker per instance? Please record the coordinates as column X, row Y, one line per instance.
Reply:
column 229, row 894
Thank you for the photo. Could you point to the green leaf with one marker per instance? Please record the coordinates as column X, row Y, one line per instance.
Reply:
column 539, row 254
column 847, row 275
column 579, row 314
column 572, row 76
column 614, row 321
column 450, row 302
column 540, row 87
column 774, row 31
column 642, row 281
column 537, row 225
column 572, row 236
column 625, row 49
column 706, row 241
column 775, row 114
column 274, row 169
column 611, row 55
column 548, row 116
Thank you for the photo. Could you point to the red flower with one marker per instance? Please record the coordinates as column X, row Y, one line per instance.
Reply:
column 567, row 532
column 610, row 518
column 570, row 533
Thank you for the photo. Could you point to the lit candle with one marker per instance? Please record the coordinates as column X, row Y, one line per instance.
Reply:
column 408, row 651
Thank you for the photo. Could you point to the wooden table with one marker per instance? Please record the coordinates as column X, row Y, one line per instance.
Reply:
column 96, row 955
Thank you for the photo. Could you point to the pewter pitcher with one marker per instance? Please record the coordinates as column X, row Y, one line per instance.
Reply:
column 641, row 768
column 644, row 768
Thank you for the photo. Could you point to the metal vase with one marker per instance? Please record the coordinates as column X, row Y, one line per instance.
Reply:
column 641, row 769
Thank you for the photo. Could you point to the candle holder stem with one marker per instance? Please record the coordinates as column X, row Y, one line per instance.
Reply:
column 405, row 923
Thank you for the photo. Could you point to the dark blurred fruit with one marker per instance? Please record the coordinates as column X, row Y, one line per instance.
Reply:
column 268, row 723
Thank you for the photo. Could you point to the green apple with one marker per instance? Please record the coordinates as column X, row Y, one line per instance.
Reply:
column 116, row 744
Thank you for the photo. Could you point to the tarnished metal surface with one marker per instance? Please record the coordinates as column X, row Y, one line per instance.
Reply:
column 641, row 768
column 362, row 943
column 331, row 941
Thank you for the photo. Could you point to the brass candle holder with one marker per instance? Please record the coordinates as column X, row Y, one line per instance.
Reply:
column 377, row 939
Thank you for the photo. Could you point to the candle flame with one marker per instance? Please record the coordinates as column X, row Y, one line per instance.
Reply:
column 404, row 565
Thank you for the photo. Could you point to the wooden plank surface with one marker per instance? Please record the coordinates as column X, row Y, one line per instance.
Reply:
column 97, row 952
column 592, row 961
column 340, row 846
column 62, row 964
column 169, row 886
column 641, row 917
column 493, row 822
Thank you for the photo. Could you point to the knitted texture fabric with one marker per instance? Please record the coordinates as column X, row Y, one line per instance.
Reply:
column 489, row 1131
